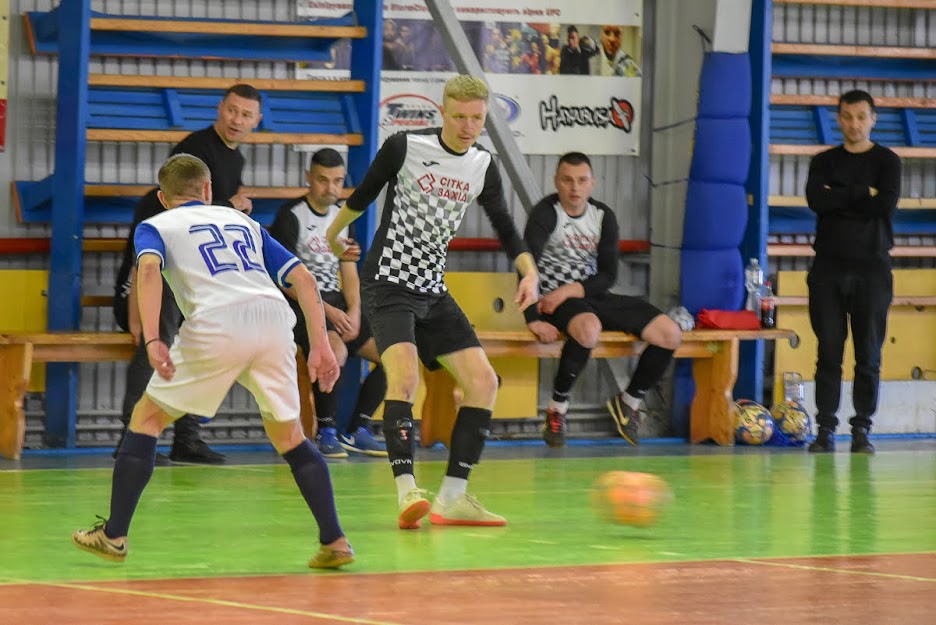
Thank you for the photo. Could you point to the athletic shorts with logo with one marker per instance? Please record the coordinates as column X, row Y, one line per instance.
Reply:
column 433, row 322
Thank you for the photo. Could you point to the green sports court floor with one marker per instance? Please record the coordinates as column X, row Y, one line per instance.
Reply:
column 760, row 536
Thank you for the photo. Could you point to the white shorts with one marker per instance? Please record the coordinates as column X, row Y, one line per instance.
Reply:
column 251, row 344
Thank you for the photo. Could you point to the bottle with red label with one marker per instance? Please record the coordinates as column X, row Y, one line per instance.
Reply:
column 768, row 308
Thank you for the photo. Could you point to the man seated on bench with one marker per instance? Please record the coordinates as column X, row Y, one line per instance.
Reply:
column 574, row 240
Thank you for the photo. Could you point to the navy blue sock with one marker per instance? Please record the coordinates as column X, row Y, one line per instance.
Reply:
column 132, row 472
column 310, row 471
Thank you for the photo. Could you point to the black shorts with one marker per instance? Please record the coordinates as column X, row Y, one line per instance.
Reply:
column 621, row 313
column 432, row 322
column 336, row 299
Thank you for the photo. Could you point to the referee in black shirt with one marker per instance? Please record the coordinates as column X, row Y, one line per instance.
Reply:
column 853, row 189
column 218, row 146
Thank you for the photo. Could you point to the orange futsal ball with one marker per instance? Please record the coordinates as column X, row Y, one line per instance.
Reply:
column 630, row 498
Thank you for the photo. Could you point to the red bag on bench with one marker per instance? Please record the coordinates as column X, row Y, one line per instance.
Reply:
column 728, row 319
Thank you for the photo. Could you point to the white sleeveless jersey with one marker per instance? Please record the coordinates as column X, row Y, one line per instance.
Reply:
column 214, row 257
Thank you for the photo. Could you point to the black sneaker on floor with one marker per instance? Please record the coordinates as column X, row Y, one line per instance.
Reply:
column 625, row 418
column 554, row 429
column 195, row 452
column 860, row 443
column 824, row 442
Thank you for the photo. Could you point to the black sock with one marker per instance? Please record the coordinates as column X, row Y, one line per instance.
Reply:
column 652, row 364
column 372, row 393
column 573, row 359
column 310, row 471
column 326, row 407
column 398, row 431
column 132, row 472
column 472, row 427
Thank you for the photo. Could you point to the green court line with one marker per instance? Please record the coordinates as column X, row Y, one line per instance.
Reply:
column 221, row 603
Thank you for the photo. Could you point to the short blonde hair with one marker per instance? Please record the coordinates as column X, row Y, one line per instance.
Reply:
column 183, row 176
column 465, row 88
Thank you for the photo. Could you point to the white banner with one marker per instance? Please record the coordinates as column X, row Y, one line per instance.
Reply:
column 561, row 82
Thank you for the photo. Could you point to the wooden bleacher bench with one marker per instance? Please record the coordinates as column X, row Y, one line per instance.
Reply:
column 18, row 352
column 715, row 370
column 114, row 203
column 503, row 334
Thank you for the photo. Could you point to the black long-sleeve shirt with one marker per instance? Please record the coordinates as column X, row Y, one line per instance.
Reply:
column 570, row 249
column 226, row 165
column 852, row 225
column 429, row 187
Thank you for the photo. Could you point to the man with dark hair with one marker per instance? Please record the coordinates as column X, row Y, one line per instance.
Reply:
column 432, row 176
column 301, row 226
column 853, row 188
column 229, row 276
column 217, row 146
column 575, row 55
column 574, row 240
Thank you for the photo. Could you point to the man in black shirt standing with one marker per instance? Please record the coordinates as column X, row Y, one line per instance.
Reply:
column 431, row 177
column 574, row 239
column 216, row 145
column 853, row 189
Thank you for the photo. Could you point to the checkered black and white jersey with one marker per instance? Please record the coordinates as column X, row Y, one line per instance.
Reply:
column 573, row 249
column 302, row 230
column 429, row 187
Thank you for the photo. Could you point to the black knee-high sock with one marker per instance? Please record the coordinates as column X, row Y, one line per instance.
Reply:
column 372, row 393
column 132, row 472
column 326, row 407
column 573, row 359
column 650, row 368
column 310, row 471
column 398, row 431
column 472, row 427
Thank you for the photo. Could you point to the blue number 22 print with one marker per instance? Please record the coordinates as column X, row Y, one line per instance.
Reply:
column 243, row 244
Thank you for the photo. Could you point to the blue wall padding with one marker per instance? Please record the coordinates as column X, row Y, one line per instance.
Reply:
column 722, row 151
column 725, row 86
column 712, row 279
column 716, row 214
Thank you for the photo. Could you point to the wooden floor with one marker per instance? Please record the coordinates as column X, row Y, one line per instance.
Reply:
column 753, row 536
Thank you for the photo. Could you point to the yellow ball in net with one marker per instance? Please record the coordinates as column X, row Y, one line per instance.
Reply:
column 630, row 498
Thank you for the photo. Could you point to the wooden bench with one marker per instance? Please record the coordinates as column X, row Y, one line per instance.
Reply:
column 18, row 352
column 715, row 369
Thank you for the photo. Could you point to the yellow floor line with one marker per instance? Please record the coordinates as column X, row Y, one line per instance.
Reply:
column 829, row 569
column 220, row 602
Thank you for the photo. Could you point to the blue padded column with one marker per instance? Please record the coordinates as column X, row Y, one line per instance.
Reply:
column 716, row 205
column 712, row 270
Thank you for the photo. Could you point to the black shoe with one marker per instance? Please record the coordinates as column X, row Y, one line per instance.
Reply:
column 554, row 430
column 625, row 418
column 860, row 443
column 824, row 442
column 195, row 452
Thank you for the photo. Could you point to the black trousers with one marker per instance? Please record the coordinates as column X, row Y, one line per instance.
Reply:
column 139, row 371
column 840, row 293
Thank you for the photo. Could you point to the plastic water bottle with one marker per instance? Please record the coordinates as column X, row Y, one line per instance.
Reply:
column 753, row 281
column 793, row 389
